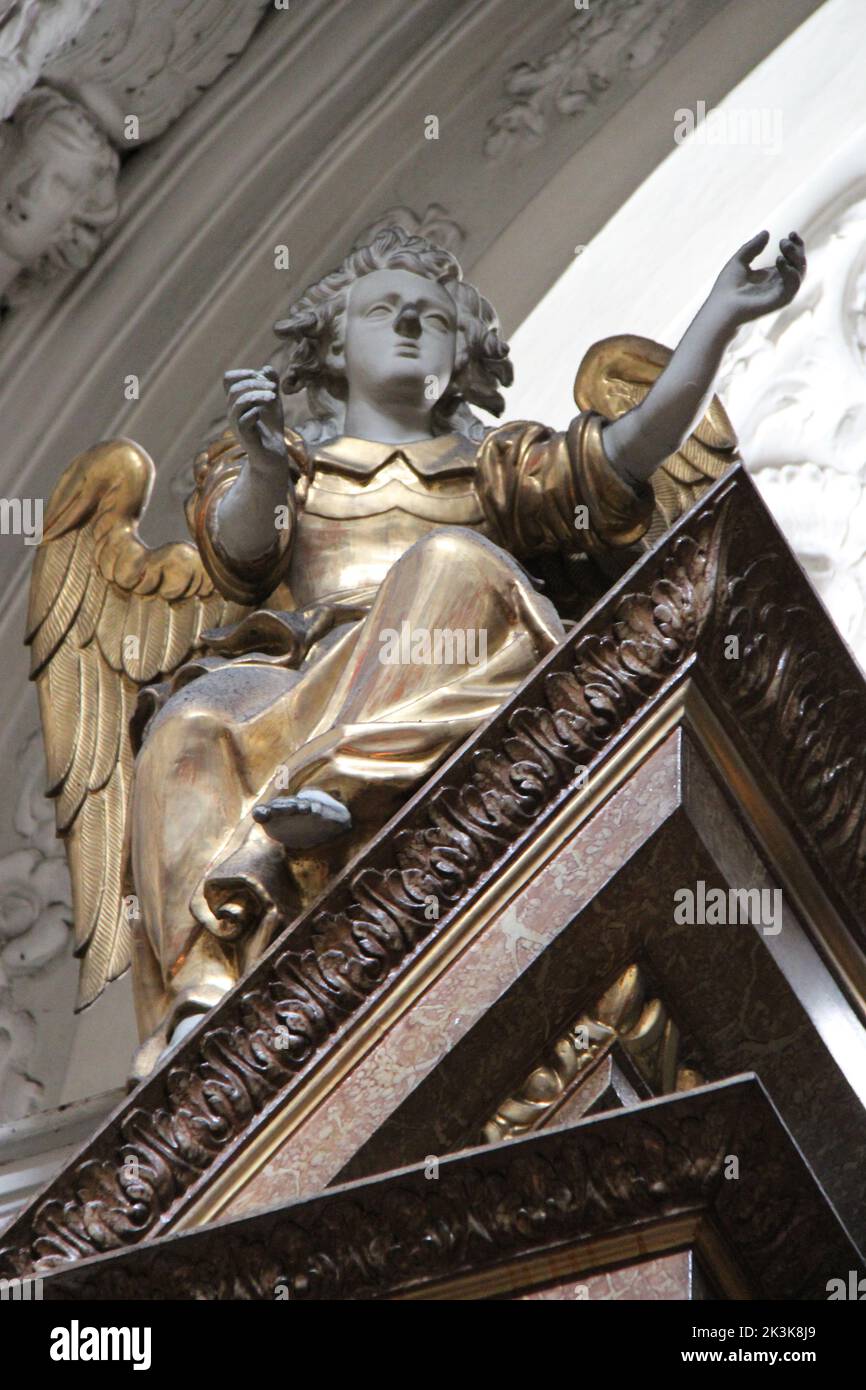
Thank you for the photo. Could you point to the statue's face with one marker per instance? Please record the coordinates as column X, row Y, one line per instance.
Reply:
column 42, row 183
column 400, row 337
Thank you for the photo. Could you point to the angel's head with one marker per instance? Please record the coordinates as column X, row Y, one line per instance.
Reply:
column 58, row 184
column 396, row 323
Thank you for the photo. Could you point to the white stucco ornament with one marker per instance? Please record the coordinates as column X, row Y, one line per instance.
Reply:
column 796, row 387
column 32, row 32
column 58, row 190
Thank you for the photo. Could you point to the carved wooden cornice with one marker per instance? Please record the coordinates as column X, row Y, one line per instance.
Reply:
column 610, row 1189
column 795, row 701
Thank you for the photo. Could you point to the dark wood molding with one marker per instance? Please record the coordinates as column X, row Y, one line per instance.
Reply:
column 629, row 1181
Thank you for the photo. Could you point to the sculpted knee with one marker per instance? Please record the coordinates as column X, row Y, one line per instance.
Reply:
column 189, row 714
column 452, row 545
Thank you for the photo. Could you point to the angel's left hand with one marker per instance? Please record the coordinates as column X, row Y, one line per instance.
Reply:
column 742, row 294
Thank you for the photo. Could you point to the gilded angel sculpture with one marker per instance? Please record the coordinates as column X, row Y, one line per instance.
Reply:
column 227, row 722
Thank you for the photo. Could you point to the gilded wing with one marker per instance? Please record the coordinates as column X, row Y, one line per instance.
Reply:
column 107, row 614
column 613, row 377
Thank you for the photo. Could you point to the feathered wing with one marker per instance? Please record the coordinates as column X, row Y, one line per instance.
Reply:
column 613, row 377
column 107, row 614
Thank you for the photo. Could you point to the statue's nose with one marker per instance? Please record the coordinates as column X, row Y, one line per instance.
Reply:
column 408, row 323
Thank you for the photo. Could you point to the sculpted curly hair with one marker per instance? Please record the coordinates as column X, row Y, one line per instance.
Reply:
column 315, row 324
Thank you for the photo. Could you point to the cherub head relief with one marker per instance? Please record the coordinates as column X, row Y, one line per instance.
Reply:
column 58, row 189
column 395, row 332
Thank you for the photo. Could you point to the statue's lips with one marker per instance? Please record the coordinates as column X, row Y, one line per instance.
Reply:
column 407, row 350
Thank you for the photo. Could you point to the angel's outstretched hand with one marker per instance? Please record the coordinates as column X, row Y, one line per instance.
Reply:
column 641, row 439
column 741, row 293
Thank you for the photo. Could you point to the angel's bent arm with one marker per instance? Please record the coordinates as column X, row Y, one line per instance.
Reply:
column 252, row 511
column 257, row 503
column 244, row 510
column 239, row 574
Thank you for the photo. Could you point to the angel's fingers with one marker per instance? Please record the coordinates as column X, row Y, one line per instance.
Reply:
column 234, row 379
column 249, row 383
column 752, row 248
column 252, row 400
column 248, row 416
column 251, row 393
column 789, row 273
column 235, row 372
column 793, row 254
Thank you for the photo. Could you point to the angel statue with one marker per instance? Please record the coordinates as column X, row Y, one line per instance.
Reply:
column 227, row 722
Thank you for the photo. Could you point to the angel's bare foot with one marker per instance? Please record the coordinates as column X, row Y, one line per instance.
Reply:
column 305, row 821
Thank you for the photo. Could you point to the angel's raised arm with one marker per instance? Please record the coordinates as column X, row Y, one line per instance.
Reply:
column 548, row 491
column 638, row 442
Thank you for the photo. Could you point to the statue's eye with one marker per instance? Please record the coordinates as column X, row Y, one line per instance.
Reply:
column 378, row 311
column 440, row 320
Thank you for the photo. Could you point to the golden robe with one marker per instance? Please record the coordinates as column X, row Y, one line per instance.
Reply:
column 377, row 540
